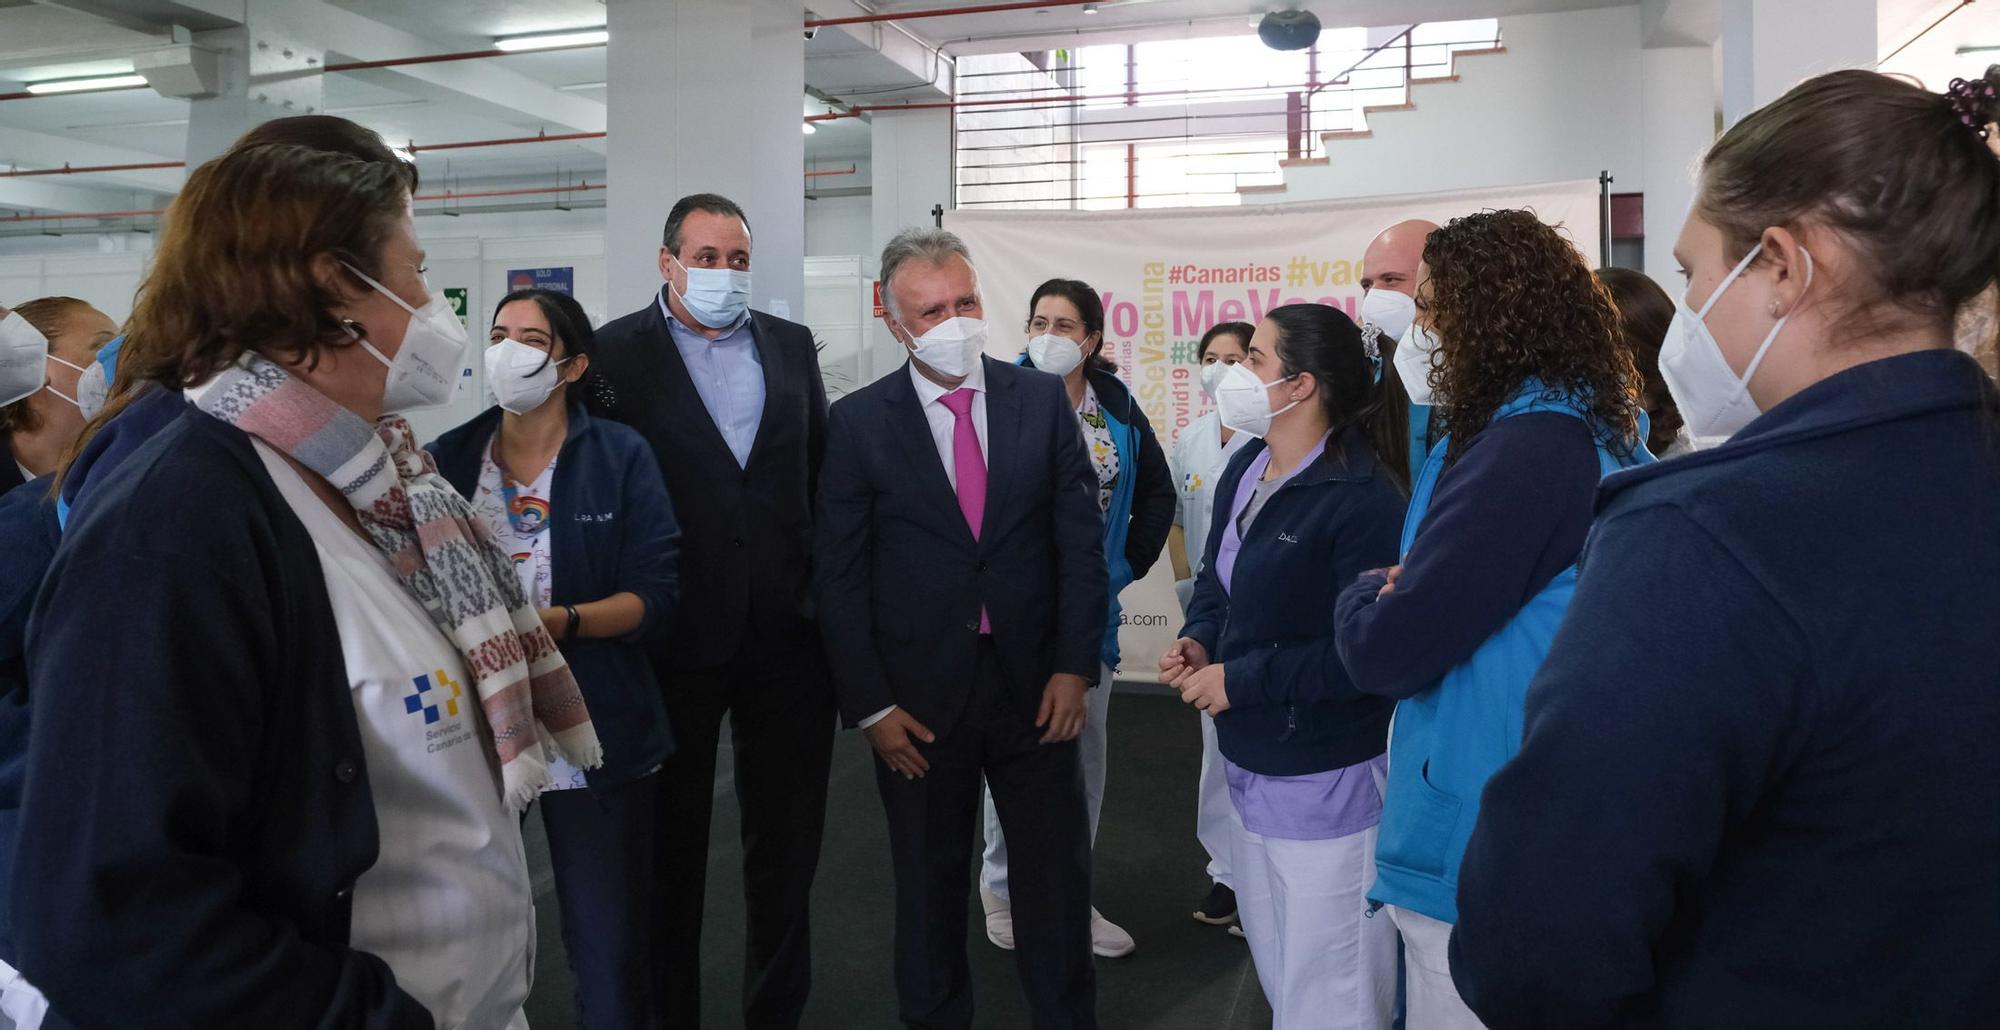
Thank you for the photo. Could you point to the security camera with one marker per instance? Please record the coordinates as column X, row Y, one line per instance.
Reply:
column 811, row 30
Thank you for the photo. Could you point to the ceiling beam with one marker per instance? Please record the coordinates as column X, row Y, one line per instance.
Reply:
column 39, row 195
column 25, row 149
column 158, row 15
column 1672, row 23
column 489, row 90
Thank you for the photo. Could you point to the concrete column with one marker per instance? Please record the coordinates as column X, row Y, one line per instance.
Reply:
column 267, row 69
column 1769, row 46
column 705, row 97
column 910, row 155
column 1677, row 117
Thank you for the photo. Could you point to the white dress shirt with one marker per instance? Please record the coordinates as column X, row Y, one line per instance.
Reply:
column 943, row 422
column 943, row 425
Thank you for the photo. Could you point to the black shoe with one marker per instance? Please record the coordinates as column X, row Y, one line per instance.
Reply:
column 1219, row 908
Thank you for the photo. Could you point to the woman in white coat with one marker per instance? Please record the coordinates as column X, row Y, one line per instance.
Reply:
column 1200, row 454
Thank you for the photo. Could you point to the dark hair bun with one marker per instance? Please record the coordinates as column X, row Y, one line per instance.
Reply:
column 1976, row 102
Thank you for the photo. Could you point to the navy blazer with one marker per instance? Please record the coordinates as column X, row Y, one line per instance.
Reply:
column 900, row 579
column 746, row 571
column 198, row 805
column 1293, row 710
column 611, row 530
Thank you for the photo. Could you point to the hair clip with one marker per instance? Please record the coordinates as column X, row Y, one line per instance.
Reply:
column 1970, row 100
column 1371, row 345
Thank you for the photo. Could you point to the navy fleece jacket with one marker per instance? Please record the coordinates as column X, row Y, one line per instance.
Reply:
column 1760, row 784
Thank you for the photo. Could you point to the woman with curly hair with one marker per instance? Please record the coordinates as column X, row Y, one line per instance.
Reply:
column 1520, row 351
column 1758, row 781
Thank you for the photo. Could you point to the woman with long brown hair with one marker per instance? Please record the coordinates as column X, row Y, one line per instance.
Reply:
column 135, row 411
column 1759, row 781
column 1645, row 313
column 1519, row 349
column 285, row 791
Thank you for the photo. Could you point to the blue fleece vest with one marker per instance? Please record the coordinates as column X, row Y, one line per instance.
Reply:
column 1117, row 519
column 1447, row 741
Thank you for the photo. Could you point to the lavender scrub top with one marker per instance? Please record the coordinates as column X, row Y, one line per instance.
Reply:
column 1316, row 806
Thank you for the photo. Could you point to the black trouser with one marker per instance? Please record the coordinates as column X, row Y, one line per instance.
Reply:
column 601, row 850
column 1038, row 791
column 781, row 716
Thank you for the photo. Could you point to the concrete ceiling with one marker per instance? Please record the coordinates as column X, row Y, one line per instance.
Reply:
column 521, row 95
column 1133, row 20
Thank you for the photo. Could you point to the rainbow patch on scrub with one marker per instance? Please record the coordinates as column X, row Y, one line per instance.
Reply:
column 523, row 557
column 530, row 513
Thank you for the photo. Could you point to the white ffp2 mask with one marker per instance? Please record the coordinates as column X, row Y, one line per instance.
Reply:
column 1245, row 400
column 422, row 373
column 91, row 387
column 1389, row 311
column 24, row 354
column 1211, row 377
column 1414, row 355
column 521, row 377
column 1715, row 402
column 952, row 346
column 1056, row 355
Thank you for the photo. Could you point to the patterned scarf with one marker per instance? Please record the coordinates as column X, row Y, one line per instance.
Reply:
column 443, row 556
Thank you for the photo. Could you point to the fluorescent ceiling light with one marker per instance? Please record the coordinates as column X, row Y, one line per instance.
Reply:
column 546, row 40
column 81, row 85
column 1987, row 49
column 810, row 127
column 403, row 155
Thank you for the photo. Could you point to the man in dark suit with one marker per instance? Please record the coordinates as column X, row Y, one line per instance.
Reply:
column 733, row 405
column 962, row 587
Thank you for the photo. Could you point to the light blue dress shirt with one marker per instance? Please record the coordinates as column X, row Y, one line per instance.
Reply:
column 728, row 373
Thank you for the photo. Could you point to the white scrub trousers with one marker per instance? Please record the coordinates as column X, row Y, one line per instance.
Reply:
column 1432, row 999
column 1091, row 746
column 1324, row 961
column 1215, row 822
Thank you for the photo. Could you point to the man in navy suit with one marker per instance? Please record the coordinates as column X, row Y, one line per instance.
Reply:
column 961, row 585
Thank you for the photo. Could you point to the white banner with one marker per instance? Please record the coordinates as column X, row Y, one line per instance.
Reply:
column 1167, row 275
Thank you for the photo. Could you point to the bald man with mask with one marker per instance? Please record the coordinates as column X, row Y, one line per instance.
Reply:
column 1388, row 306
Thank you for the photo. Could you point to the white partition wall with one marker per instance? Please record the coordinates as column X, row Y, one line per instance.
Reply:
column 840, row 310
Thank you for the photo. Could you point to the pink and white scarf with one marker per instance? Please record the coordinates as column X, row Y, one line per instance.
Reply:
column 443, row 555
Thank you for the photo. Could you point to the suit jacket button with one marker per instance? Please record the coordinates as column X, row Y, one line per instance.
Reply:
column 738, row 541
column 344, row 771
column 344, row 895
column 982, row 566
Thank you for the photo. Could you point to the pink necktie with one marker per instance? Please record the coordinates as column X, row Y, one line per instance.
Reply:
column 970, row 468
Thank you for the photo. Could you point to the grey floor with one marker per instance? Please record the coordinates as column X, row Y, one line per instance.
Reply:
column 1149, row 876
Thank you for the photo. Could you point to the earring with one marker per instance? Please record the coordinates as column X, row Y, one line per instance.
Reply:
column 1774, row 309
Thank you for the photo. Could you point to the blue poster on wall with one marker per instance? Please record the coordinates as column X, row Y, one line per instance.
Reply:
column 561, row 280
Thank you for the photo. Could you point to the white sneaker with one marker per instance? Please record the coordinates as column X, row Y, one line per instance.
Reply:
column 999, row 920
column 1107, row 939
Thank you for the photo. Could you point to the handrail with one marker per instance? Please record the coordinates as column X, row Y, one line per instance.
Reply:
column 1356, row 66
column 985, row 141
